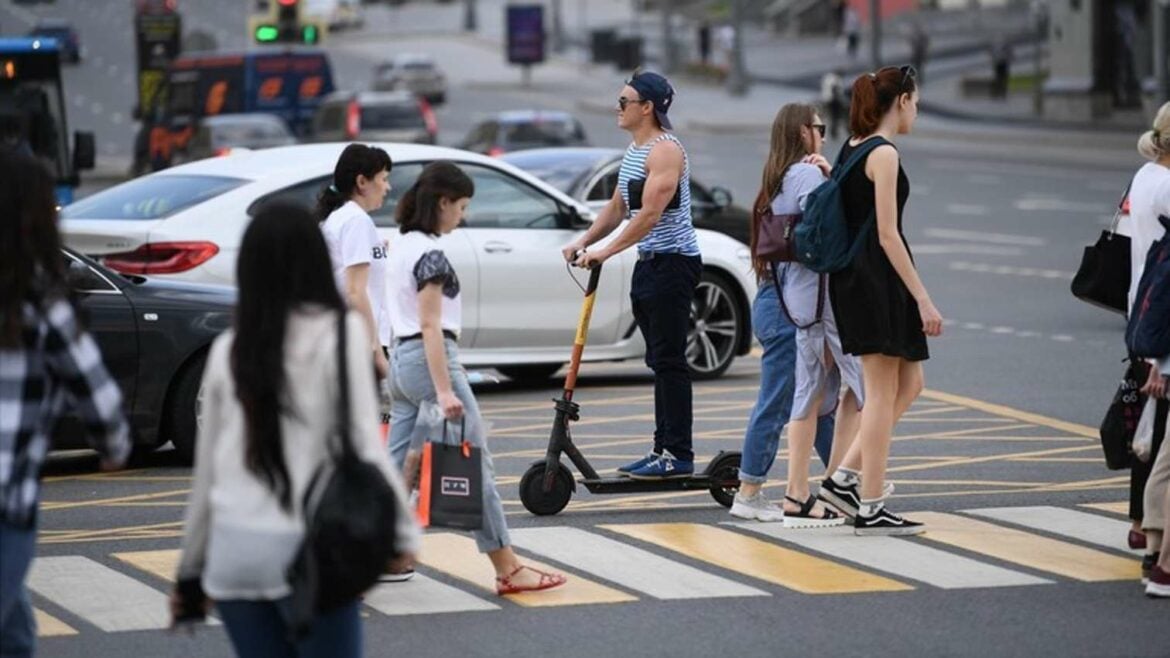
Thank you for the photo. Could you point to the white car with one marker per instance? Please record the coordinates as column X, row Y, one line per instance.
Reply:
column 520, row 301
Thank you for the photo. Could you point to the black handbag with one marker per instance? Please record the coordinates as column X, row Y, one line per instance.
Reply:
column 1103, row 277
column 350, row 522
column 1120, row 423
column 450, row 492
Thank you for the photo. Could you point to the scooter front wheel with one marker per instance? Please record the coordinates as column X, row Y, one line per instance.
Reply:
column 541, row 502
column 724, row 473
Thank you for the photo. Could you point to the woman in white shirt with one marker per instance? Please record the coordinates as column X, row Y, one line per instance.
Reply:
column 358, row 255
column 270, row 394
column 426, row 309
column 1149, row 198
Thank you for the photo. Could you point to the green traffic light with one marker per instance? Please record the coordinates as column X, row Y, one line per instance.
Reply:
column 309, row 34
column 267, row 33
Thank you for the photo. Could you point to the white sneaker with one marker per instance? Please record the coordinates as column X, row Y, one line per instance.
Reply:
column 756, row 508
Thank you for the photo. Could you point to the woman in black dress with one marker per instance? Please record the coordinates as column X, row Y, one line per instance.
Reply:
column 883, row 311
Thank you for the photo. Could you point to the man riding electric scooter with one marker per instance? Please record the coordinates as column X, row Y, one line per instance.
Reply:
column 654, row 194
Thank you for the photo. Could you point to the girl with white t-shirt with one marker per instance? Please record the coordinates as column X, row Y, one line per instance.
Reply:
column 359, row 187
column 426, row 309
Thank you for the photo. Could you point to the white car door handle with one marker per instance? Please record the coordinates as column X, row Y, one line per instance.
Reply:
column 497, row 247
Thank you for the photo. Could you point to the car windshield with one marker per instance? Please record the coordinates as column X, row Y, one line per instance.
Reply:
column 150, row 197
column 382, row 117
column 544, row 133
column 564, row 175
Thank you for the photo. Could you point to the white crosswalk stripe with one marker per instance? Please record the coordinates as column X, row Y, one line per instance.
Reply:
column 1085, row 526
column 627, row 565
column 110, row 600
column 901, row 557
column 423, row 596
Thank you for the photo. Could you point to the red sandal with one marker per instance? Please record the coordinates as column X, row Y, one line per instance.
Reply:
column 504, row 584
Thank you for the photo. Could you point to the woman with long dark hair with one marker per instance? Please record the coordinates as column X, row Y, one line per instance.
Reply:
column 883, row 310
column 356, row 253
column 46, row 359
column 793, row 167
column 426, row 309
column 269, row 408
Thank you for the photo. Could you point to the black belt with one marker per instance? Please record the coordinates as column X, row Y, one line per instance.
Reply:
column 447, row 333
column 647, row 255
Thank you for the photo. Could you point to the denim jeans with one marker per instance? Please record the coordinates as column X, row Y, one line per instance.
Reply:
column 661, row 293
column 260, row 628
column 777, row 384
column 17, row 628
column 412, row 385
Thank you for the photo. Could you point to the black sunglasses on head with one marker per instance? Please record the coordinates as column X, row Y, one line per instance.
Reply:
column 908, row 72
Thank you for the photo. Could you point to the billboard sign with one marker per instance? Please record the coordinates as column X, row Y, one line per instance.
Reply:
column 525, row 34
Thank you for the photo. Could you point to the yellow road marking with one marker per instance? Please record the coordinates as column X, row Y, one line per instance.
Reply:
column 50, row 626
column 759, row 559
column 1121, row 508
column 1009, row 412
column 106, row 501
column 89, row 476
column 928, row 411
column 457, row 555
column 153, row 530
column 1027, row 549
column 163, row 564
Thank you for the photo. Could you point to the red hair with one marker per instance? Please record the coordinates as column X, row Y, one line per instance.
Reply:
column 874, row 94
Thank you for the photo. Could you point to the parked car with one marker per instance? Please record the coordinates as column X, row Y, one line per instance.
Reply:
column 526, row 129
column 590, row 175
column 64, row 33
column 391, row 116
column 219, row 135
column 520, row 305
column 154, row 336
column 414, row 73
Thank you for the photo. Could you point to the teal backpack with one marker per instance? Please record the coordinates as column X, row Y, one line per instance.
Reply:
column 822, row 236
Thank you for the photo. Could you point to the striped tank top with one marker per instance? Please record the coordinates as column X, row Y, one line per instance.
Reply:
column 674, row 233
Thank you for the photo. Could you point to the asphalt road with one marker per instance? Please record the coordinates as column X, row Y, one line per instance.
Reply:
column 1017, row 383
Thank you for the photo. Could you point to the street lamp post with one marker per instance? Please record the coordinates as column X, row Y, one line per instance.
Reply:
column 737, row 80
column 875, row 25
column 669, row 52
column 558, row 28
column 470, row 24
column 1161, row 35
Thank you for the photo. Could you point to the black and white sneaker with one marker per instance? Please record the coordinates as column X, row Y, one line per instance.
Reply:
column 845, row 498
column 1148, row 563
column 885, row 523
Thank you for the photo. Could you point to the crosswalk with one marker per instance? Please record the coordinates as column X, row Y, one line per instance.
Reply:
column 631, row 563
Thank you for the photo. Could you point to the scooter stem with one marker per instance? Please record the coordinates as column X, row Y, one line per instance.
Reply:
column 582, row 331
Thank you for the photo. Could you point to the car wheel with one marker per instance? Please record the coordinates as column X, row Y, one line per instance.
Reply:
column 183, row 415
column 530, row 374
column 716, row 323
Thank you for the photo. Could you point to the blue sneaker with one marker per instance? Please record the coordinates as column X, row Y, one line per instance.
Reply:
column 633, row 466
column 665, row 467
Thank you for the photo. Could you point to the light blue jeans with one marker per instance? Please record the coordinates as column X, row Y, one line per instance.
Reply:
column 777, row 384
column 411, row 387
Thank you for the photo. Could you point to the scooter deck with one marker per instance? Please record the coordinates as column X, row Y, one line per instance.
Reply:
column 612, row 485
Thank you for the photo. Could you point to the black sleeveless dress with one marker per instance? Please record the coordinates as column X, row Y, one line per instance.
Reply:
column 875, row 312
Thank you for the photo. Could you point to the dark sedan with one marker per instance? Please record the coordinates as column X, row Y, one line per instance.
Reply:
column 590, row 175
column 154, row 337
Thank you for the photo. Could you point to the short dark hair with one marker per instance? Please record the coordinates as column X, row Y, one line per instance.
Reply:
column 355, row 160
column 419, row 208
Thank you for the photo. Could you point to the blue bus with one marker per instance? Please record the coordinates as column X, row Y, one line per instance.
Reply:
column 32, row 111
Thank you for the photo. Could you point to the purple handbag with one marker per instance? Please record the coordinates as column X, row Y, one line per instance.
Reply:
column 775, row 241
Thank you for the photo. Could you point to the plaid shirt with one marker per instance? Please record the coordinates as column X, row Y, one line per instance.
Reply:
column 57, row 362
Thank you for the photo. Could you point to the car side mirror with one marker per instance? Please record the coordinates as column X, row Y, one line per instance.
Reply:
column 570, row 218
column 721, row 196
column 84, row 150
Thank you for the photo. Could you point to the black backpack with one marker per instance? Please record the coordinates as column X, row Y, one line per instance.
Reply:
column 350, row 521
column 1147, row 335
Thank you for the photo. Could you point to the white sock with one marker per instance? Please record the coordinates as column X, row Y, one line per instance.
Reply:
column 870, row 507
column 845, row 477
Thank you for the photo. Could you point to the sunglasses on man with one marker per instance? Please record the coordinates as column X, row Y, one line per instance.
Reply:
column 623, row 102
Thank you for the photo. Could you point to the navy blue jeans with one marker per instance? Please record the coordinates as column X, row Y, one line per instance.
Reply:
column 17, row 628
column 260, row 628
column 661, row 293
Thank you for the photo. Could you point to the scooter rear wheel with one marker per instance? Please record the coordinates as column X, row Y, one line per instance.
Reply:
column 541, row 502
column 725, row 477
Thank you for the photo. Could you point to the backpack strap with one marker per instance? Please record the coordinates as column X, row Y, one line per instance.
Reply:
column 343, row 423
column 861, row 151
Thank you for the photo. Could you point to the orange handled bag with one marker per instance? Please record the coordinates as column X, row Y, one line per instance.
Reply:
column 450, row 490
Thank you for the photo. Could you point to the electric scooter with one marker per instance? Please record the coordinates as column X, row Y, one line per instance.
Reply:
column 548, row 485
